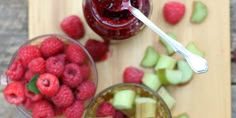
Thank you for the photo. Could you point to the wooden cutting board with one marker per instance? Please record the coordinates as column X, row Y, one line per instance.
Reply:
column 206, row 96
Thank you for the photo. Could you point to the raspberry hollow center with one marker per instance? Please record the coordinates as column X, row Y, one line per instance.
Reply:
column 13, row 96
column 72, row 72
column 46, row 83
column 56, row 63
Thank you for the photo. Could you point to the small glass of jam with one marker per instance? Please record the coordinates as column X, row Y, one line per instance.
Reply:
column 112, row 24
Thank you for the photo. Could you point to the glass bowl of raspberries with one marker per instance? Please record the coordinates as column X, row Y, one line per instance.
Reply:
column 127, row 100
column 51, row 75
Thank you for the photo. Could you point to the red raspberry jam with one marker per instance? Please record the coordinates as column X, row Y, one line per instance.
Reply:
column 112, row 24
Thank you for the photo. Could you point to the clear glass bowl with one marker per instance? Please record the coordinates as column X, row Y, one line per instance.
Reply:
column 107, row 95
column 115, row 26
column 67, row 40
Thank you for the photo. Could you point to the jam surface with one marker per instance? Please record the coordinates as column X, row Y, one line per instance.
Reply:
column 111, row 5
column 110, row 24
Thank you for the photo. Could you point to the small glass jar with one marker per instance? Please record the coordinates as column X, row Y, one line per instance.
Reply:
column 115, row 25
column 107, row 95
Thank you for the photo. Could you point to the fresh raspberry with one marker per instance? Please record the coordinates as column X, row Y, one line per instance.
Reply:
column 28, row 53
column 75, row 54
column 28, row 75
column 37, row 65
column 96, row 49
column 48, row 84
column 61, row 57
column 28, row 104
column 42, row 109
column 23, row 82
column 120, row 114
column 86, row 90
column 73, row 27
column 85, row 69
column 173, row 12
column 133, row 75
column 51, row 46
column 76, row 110
column 105, row 109
column 72, row 75
column 64, row 97
column 15, row 71
column 32, row 96
column 14, row 93
column 55, row 66
column 57, row 110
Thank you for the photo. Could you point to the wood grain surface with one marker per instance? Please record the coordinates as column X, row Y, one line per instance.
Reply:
column 207, row 95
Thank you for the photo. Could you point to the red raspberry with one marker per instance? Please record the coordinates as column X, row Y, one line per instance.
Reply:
column 64, row 97
column 28, row 104
column 55, row 66
column 86, row 90
column 133, row 75
column 28, row 53
column 58, row 111
column 42, row 109
column 32, row 96
column 105, row 109
column 120, row 114
column 23, row 82
column 73, row 27
column 85, row 69
column 76, row 110
column 28, row 75
column 75, row 54
column 72, row 75
column 15, row 71
column 61, row 57
column 51, row 46
column 173, row 12
column 37, row 65
column 96, row 49
column 48, row 84
column 14, row 93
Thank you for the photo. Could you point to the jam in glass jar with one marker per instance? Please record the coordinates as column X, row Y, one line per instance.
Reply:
column 114, row 25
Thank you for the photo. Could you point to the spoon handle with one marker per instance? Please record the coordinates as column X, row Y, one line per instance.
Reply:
column 197, row 63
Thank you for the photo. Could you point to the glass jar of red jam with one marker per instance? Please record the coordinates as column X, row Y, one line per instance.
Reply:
column 114, row 25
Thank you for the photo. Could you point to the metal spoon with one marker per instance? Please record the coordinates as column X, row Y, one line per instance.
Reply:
column 197, row 63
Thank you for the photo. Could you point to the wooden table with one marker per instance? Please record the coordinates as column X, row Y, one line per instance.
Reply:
column 13, row 32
